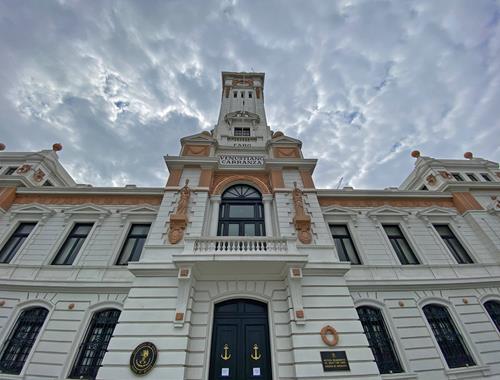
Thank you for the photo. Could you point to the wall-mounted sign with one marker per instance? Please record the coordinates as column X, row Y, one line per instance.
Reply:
column 334, row 361
column 143, row 358
column 241, row 160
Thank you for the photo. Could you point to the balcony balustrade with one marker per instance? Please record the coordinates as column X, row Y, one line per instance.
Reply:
column 239, row 245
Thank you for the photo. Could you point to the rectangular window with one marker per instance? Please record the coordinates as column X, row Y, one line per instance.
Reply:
column 401, row 247
column 15, row 241
column 486, row 177
column 457, row 177
column 73, row 244
column 250, row 94
column 134, row 243
column 10, row 170
column 235, row 94
column 451, row 241
column 472, row 177
column 242, row 94
column 242, row 131
column 344, row 244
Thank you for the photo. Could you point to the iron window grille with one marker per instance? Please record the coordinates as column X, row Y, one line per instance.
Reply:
column 73, row 244
column 95, row 344
column 16, row 241
column 344, row 244
column 21, row 340
column 134, row 243
column 401, row 247
column 451, row 241
column 379, row 340
column 493, row 309
column 241, row 212
column 448, row 338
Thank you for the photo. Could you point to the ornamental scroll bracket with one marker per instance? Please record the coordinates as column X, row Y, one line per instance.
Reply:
column 301, row 220
column 179, row 220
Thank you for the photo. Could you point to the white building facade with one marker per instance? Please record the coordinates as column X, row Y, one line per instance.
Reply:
column 240, row 268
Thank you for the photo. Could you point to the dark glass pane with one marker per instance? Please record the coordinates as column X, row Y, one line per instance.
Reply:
column 380, row 342
column 486, row 177
column 95, row 344
column 493, row 309
column 392, row 231
column 339, row 229
column 449, row 339
column 25, row 228
column 73, row 243
column 20, row 341
column 401, row 247
column 451, row 241
column 233, row 229
column 140, row 229
column 126, row 252
column 344, row 244
column 249, row 229
column 138, row 247
column 82, row 229
column 351, row 251
column 134, row 243
column 340, row 250
column 15, row 241
column 241, row 211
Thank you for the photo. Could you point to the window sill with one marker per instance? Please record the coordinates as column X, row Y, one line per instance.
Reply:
column 466, row 372
column 9, row 376
column 400, row 376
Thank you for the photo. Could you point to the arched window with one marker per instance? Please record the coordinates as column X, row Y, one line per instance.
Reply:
column 450, row 341
column 379, row 339
column 95, row 344
column 493, row 309
column 241, row 212
column 18, row 345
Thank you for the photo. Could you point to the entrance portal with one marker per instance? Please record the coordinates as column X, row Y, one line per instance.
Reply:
column 240, row 341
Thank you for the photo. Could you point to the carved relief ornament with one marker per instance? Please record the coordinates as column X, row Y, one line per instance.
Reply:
column 178, row 221
column 431, row 179
column 38, row 175
column 23, row 169
column 301, row 220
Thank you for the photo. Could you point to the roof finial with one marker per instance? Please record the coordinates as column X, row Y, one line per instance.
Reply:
column 2, row 146
column 468, row 155
column 57, row 147
column 415, row 154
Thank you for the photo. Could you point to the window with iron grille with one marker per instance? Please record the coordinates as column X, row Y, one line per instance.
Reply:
column 401, row 247
column 344, row 244
column 95, row 344
column 379, row 339
column 73, row 243
column 20, row 341
column 451, row 241
column 493, row 309
column 450, row 341
column 134, row 243
column 16, row 241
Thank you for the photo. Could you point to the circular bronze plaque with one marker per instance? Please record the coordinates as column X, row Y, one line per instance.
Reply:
column 143, row 358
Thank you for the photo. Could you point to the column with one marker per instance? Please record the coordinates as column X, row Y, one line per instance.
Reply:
column 214, row 219
column 267, row 200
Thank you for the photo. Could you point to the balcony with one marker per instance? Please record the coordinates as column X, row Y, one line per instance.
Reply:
column 239, row 245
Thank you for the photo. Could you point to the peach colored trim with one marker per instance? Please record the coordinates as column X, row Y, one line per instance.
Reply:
column 174, row 177
column 223, row 181
column 286, row 152
column 277, row 179
column 376, row 202
column 464, row 201
column 70, row 199
column 205, row 178
column 195, row 150
column 307, row 180
column 7, row 196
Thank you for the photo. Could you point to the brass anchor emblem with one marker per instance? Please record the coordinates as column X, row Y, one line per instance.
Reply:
column 255, row 355
column 226, row 355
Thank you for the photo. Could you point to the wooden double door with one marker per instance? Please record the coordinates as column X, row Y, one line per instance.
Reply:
column 240, row 341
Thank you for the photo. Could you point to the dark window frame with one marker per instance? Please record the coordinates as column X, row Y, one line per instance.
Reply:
column 225, row 219
column 340, row 244
column 458, row 177
column 447, row 240
column 136, row 252
column 22, row 237
column 11, row 170
column 21, row 339
column 241, row 132
column 448, row 336
column 492, row 307
column 73, row 252
column 93, row 347
column 397, row 242
column 486, row 177
column 380, row 340
column 472, row 177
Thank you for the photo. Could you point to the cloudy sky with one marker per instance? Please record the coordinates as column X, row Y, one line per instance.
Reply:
column 361, row 83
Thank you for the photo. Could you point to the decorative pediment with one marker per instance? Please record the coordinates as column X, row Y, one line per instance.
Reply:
column 341, row 213
column 87, row 210
column 202, row 137
column 34, row 210
column 231, row 117
column 436, row 212
column 384, row 212
column 145, row 210
column 279, row 138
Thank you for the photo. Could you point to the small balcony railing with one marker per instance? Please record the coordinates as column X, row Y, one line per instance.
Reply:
column 239, row 245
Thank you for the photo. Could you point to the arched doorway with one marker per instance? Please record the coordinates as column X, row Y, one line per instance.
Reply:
column 240, row 341
column 241, row 212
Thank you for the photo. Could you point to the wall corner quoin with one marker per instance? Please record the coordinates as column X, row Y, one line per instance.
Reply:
column 7, row 196
column 465, row 201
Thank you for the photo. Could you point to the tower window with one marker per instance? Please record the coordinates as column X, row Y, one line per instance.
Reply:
column 20, row 341
column 250, row 94
column 242, row 131
column 242, row 94
column 379, row 339
column 448, row 338
column 235, row 94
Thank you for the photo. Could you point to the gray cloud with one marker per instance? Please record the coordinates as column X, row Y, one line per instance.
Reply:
column 362, row 83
